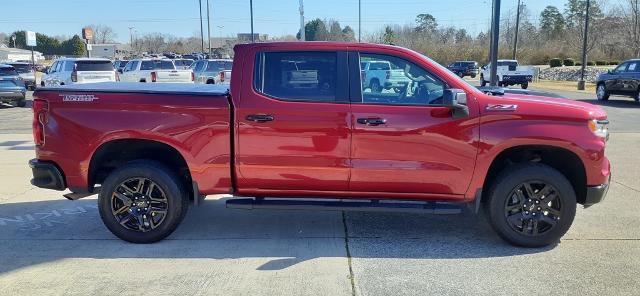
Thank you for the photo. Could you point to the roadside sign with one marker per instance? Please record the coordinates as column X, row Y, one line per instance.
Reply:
column 31, row 38
column 89, row 46
column 87, row 33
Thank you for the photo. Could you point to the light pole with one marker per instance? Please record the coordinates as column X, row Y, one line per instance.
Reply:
column 515, row 41
column 13, row 39
column 495, row 35
column 302, row 32
column 251, row 12
column 585, row 36
column 359, row 20
column 201, row 28
column 208, row 27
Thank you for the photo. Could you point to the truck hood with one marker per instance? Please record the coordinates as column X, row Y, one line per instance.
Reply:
column 554, row 105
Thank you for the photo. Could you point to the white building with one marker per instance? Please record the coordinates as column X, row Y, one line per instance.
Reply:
column 17, row 54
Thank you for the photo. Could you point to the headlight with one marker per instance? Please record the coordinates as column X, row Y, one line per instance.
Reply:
column 600, row 128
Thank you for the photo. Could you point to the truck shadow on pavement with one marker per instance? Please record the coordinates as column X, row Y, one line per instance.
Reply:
column 34, row 233
column 615, row 102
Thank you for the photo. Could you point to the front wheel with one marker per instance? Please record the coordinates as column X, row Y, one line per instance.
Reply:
column 531, row 205
column 142, row 202
column 637, row 96
column 601, row 93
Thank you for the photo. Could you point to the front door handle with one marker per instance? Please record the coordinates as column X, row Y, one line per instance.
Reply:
column 260, row 117
column 372, row 121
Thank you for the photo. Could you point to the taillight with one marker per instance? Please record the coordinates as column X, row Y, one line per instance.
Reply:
column 193, row 76
column 221, row 76
column 388, row 74
column 74, row 76
column 154, row 76
column 40, row 110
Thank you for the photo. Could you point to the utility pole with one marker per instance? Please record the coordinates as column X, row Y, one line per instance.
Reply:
column 208, row 27
column 251, row 11
column 515, row 41
column 495, row 35
column 201, row 28
column 585, row 36
column 131, row 37
column 302, row 33
column 359, row 20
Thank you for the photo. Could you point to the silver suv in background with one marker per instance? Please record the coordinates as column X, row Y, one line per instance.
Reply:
column 68, row 71
column 215, row 71
column 26, row 71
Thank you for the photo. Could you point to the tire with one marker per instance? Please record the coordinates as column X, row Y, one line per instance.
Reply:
column 601, row 92
column 637, row 96
column 22, row 102
column 473, row 76
column 375, row 86
column 461, row 75
column 524, row 85
column 509, row 218
column 482, row 82
column 166, row 210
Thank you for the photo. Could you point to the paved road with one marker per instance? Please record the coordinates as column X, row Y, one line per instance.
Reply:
column 53, row 246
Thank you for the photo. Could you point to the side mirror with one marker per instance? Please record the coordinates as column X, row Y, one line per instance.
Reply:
column 456, row 99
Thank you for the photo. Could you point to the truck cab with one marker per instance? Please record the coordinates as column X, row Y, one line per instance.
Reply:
column 509, row 73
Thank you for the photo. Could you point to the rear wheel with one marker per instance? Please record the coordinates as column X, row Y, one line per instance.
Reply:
column 531, row 205
column 525, row 85
column 482, row 82
column 142, row 202
column 601, row 92
column 21, row 102
column 375, row 86
column 637, row 96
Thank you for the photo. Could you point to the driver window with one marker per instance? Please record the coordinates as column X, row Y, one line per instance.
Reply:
column 390, row 80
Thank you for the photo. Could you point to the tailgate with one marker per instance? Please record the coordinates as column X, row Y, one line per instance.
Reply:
column 175, row 76
column 96, row 76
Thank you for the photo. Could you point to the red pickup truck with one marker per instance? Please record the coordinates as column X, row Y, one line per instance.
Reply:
column 299, row 129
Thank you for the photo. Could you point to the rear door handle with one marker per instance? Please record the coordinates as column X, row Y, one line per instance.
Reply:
column 259, row 117
column 372, row 121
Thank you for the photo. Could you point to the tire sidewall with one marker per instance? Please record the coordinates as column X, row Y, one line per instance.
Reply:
column 516, row 175
column 176, row 205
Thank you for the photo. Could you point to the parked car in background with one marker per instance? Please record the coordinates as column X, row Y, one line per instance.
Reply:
column 623, row 80
column 12, row 88
column 27, row 72
column 509, row 73
column 155, row 70
column 438, row 146
column 182, row 63
column 68, row 71
column 215, row 71
column 118, row 65
column 378, row 75
column 465, row 68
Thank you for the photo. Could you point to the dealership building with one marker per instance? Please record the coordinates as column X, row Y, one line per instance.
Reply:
column 17, row 54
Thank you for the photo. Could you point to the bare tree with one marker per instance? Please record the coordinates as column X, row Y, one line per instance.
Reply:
column 103, row 34
column 631, row 12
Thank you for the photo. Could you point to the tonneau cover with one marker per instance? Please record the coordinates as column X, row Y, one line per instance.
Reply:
column 139, row 87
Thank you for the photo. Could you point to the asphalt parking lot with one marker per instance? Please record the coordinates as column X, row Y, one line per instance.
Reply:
column 51, row 246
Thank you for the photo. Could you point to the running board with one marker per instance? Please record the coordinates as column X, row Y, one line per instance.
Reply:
column 438, row 208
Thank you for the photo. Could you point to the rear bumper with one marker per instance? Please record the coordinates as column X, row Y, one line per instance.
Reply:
column 46, row 175
column 517, row 78
column 18, row 94
column 596, row 194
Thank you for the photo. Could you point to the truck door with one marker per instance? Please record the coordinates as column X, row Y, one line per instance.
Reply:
column 403, row 140
column 293, row 129
column 630, row 78
column 615, row 83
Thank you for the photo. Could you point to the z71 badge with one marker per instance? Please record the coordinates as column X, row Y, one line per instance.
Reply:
column 78, row 98
column 501, row 107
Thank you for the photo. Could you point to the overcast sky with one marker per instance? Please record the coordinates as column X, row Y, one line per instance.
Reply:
column 181, row 17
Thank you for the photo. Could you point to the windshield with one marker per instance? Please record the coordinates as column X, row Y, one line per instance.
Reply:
column 157, row 65
column 93, row 66
column 22, row 68
column 6, row 71
column 219, row 65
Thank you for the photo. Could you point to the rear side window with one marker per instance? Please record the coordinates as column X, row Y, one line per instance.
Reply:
column 6, row 71
column 22, row 68
column 297, row 76
column 634, row 67
column 157, row 65
column 88, row 66
column 379, row 66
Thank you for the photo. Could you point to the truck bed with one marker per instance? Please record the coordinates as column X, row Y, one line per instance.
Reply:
column 192, row 119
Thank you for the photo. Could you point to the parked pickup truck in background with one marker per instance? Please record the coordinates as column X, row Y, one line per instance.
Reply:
column 68, row 71
column 435, row 146
column 623, row 80
column 214, row 71
column 155, row 70
column 509, row 73
column 464, row 68
column 379, row 75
